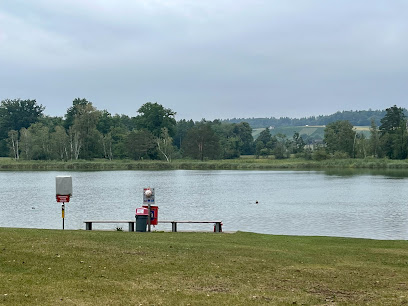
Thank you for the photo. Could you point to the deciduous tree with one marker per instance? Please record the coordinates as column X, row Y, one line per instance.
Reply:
column 339, row 136
column 140, row 144
column 14, row 143
column 393, row 133
column 153, row 117
column 201, row 142
column 165, row 145
column 17, row 114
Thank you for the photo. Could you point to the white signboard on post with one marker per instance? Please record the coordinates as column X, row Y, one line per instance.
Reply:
column 63, row 185
column 148, row 197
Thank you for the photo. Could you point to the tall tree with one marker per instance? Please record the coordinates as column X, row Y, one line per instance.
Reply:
column 14, row 143
column 119, row 135
column 105, row 122
column 201, row 142
column 182, row 127
column 17, row 114
column 85, row 137
column 265, row 143
column 281, row 148
column 265, row 136
column 229, row 141
column 40, row 141
column 60, row 143
column 140, row 144
column 374, row 142
column 72, row 112
column 392, row 120
column 153, row 117
column 393, row 133
column 244, row 131
column 339, row 136
column 298, row 143
column 165, row 145
column 26, row 143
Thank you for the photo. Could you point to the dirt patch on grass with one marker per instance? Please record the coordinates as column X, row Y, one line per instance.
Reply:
column 340, row 296
column 209, row 289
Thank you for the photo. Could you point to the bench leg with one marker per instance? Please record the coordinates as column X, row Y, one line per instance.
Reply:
column 88, row 226
column 218, row 227
column 131, row 226
column 174, row 226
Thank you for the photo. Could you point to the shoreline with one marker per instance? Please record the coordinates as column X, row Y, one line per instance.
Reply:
column 7, row 164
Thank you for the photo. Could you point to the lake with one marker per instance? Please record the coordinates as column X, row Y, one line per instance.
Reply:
column 314, row 203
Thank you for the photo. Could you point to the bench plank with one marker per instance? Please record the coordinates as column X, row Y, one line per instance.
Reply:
column 218, row 224
column 190, row 221
column 107, row 221
column 88, row 224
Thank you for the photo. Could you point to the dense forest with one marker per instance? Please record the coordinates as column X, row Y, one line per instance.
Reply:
column 85, row 132
column 356, row 118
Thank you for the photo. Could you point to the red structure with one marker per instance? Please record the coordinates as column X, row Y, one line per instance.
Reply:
column 154, row 214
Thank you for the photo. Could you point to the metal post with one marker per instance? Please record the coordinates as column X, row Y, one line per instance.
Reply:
column 149, row 219
column 63, row 215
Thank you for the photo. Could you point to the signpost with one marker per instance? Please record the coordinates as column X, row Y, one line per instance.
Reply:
column 148, row 198
column 63, row 216
column 63, row 193
column 64, row 199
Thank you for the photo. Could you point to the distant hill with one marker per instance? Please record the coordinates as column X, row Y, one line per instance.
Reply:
column 356, row 118
column 309, row 134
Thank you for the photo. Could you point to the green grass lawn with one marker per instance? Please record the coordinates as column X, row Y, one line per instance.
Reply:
column 53, row 267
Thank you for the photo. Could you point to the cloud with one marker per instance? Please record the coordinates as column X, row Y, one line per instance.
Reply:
column 208, row 58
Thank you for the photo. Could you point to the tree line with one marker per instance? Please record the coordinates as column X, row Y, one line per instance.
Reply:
column 389, row 140
column 356, row 118
column 342, row 140
column 87, row 133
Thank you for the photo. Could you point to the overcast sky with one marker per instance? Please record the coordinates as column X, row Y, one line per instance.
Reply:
column 206, row 58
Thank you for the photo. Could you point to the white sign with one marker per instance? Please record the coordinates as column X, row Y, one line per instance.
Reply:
column 148, row 196
column 63, row 185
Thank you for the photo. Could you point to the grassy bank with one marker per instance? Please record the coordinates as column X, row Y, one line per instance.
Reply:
column 245, row 163
column 49, row 267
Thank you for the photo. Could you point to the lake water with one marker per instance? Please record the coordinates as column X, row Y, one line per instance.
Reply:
column 346, row 204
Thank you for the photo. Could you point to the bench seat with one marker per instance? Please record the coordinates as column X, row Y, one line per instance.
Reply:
column 88, row 224
column 218, row 224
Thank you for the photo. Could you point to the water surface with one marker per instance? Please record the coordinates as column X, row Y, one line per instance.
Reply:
column 366, row 205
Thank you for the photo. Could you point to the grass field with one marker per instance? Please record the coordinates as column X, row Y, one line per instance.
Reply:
column 50, row 267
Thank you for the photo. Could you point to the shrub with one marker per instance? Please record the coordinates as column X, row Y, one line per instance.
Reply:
column 340, row 155
column 320, row 154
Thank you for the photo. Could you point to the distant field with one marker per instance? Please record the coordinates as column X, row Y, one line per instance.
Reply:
column 307, row 132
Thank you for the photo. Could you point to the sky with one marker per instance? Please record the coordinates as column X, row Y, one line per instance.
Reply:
column 212, row 59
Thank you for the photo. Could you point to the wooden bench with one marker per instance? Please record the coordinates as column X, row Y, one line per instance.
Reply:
column 218, row 224
column 88, row 224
